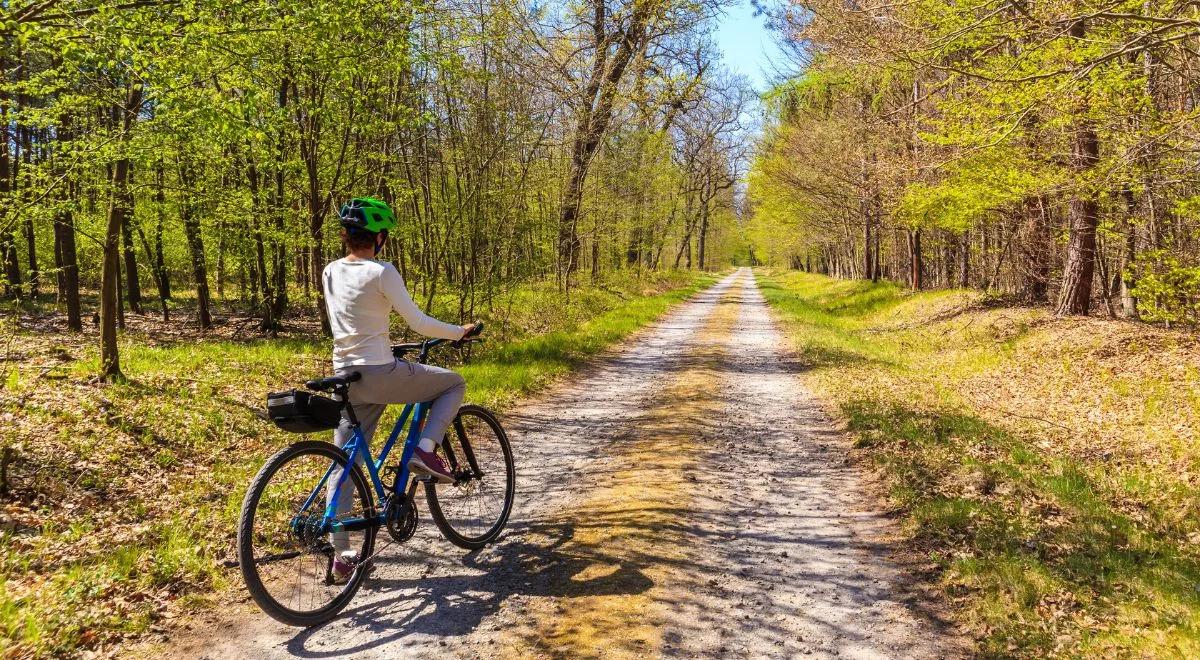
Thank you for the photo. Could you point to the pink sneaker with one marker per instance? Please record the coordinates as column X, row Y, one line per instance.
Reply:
column 343, row 567
column 430, row 463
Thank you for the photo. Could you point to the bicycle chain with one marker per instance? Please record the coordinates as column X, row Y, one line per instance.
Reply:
column 409, row 529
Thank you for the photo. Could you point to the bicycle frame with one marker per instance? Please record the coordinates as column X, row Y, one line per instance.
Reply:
column 358, row 446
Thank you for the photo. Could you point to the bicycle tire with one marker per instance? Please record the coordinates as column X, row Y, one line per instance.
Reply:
column 250, row 573
column 447, row 528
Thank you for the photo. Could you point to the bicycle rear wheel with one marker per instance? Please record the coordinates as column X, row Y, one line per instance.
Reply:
column 285, row 559
column 471, row 513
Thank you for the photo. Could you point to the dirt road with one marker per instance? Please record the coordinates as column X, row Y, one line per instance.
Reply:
column 685, row 496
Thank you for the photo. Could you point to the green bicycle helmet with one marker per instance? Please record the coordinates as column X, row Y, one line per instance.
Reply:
column 367, row 213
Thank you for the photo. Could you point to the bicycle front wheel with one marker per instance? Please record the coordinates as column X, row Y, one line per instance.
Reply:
column 286, row 559
column 471, row 513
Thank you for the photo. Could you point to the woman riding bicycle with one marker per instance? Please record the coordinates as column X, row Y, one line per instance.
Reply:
column 360, row 294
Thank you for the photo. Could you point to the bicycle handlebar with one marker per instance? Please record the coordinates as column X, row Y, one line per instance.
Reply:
column 399, row 350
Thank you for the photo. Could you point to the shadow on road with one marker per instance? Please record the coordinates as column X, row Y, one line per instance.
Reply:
column 543, row 563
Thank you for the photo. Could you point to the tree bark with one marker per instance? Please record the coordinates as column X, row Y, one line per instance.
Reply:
column 162, row 277
column 133, row 289
column 191, row 230
column 705, row 200
column 118, row 210
column 868, row 255
column 916, row 267
column 66, row 260
column 1036, row 250
column 1129, row 302
column 964, row 266
column 28, row 232
column 67, row 264
column 260, row 279
column 1075, row 296
column 595, row 115
column 279, row 259
column 11, row 271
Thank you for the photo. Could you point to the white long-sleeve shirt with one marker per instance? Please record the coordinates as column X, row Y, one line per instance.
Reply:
column 360, row 295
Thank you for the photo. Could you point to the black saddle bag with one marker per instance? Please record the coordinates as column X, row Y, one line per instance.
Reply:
column 299, row 411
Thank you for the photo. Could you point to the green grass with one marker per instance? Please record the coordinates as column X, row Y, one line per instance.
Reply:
column 125, row 495
column 1048, row 542
column 520, row 367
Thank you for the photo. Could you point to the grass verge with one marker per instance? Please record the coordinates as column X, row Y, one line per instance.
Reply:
column 1048, row 466
column 122, row 498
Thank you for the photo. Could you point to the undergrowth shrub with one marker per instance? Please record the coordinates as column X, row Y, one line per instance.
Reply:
column 1167, row 290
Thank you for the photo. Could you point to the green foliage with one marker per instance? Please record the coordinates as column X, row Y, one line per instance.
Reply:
column 1166, row 290
column 258, row 119
column 973, row 190
column 969, row 122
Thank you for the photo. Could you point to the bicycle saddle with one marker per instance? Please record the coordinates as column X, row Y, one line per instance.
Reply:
column 332, row 382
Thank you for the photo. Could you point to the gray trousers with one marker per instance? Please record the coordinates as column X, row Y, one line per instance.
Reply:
column 383, row 384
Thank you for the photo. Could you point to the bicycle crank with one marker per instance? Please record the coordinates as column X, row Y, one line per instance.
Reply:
column 401, row 518
column 401, row 514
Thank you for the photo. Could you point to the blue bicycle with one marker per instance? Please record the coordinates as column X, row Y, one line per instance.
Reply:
column 313, row 503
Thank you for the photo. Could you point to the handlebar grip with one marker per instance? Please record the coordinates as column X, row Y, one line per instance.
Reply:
column 476, row 331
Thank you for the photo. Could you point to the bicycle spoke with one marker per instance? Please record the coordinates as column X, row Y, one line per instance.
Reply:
column 282, row 556
column 290, row 554
column 475, row 508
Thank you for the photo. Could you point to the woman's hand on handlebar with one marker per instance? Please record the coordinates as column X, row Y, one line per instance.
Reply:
column 472, row 330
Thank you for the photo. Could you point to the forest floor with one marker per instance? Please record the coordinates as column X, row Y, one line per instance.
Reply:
column 118, row 501
column 1049, row 467
column 685, row 495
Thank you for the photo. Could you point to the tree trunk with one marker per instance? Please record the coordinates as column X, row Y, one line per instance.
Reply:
column 1129, row 302
column 568, row 223
column 191, row 230
column 220, row 259
column 964, row 267
column 868, row 255
column 1036, row 250
column 596, row 248
column 316, row 266
column 12, row 265
column 705, row 200
column 12, row 271
column 279, row 259
column 28, row 232
column 916, row 267
column 611, row 55
column 1075, row 296
column 132, row 286
column 118, row 210
column 260, row 280
column 66, row 260
column 31, row 252
column 67, row 265
column 162, row 277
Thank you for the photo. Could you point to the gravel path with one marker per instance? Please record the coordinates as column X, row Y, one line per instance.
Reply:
column 685, row 496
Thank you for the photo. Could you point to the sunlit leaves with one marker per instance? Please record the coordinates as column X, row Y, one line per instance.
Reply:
column 993, row 181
